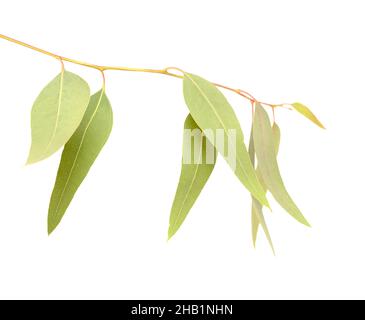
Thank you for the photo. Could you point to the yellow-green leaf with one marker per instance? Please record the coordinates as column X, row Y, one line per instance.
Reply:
column 195, row 172
column 267, row 163
column 56, row 114
column 79, row 155
column 257, row 215
column 306, row 112
column 211, row 111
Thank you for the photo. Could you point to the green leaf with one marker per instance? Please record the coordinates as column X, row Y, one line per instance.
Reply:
column 211, row 111
column 56, row 114
column 257, row 215
column 195, row 172
column 79, row 155
column 306, row 112
column 267, row 163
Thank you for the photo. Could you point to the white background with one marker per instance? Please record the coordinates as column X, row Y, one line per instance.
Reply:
column 112, row 241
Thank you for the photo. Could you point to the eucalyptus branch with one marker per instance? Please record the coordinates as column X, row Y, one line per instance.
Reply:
column 165, row 71
column 65, row 115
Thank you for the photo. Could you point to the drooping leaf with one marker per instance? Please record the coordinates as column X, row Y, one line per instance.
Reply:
column 56, row 114
column 211, row 111
column 267, row 163
column 79, row 155
column 306, row 112
column 257, row 215
column 196, row 169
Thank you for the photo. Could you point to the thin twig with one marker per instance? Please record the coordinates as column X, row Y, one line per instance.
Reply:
column 166, row 71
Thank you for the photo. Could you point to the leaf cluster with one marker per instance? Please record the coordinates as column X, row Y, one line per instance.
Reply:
column 65, row 115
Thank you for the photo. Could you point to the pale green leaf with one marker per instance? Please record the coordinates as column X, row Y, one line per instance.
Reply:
column 79, row 155
column 257, row 215
column 306, row 112
column 267, row 163
column 211, row 111
column 56, row 114
column 195, row 172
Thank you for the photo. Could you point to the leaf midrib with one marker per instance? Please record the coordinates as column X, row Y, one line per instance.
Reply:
column 78, row 153
column 58, row 112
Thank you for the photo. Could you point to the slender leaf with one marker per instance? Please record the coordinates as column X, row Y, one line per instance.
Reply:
column 268, row 166
column 56, row 114
column 257, row 215
column 79, row 155
column 306, row 112
column 195, row 172
column 211, row 111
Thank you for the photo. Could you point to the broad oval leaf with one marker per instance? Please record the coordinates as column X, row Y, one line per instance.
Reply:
column 56, row 114
column 257, row 215
column 306, row 112
column 211, row 111
column 198, row 163
column 267, row 163
column 79, row 155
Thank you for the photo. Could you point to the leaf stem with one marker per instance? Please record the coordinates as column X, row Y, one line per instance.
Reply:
column 166, row 71
column 103, row 76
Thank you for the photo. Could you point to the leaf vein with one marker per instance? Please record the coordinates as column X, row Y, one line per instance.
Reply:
column 58, row 111
column 78, row 153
